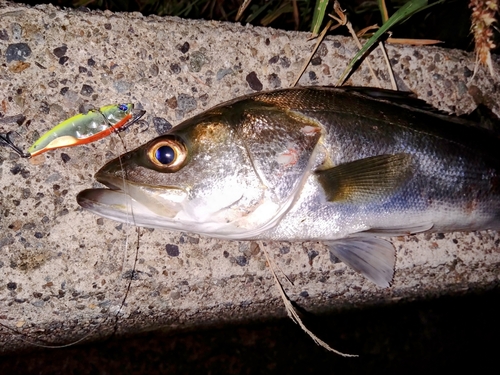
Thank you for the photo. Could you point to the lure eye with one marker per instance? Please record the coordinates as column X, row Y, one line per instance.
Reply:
column 168, row 153
column 123, row 107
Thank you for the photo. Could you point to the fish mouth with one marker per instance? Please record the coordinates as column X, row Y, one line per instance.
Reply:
column 118, row 206
column 131, row 202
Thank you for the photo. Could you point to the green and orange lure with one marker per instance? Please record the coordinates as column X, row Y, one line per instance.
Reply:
column 82, row 128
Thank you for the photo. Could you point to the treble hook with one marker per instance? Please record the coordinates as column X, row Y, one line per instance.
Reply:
column 135, row 117
column 6, row 141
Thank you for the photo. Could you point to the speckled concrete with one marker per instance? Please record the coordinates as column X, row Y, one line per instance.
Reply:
column 64, row 273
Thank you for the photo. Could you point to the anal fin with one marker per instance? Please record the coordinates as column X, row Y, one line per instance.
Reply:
column 371, row 256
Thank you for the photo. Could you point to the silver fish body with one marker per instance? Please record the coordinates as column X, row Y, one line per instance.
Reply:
column 342, row 165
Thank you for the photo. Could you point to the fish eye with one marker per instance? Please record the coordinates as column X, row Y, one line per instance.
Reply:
column 168, row 153
column 123, row 107
column 165, row 155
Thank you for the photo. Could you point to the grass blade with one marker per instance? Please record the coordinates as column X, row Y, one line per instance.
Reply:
column 407, row 10
column 319, row 15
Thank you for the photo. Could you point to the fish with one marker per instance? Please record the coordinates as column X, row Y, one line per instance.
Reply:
column 347, row 166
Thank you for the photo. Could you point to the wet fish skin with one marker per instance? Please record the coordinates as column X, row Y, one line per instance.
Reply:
column 347, row 166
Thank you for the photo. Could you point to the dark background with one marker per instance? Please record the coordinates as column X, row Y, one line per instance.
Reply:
column 448, row 22
column 443, row 335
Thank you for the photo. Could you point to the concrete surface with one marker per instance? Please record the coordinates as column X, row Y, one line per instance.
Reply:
column 66, row 275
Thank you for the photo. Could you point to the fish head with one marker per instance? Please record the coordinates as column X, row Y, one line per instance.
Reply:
column 224, row 173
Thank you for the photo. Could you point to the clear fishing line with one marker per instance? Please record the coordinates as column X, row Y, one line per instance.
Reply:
column 27, row 338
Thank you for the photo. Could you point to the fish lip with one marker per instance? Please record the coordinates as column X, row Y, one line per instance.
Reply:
column 122, row 184
column 109, row 181
column 119, row 183
column 113, row 176
column 89, row 197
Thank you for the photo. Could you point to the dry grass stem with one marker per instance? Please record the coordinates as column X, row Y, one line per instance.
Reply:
column 389, row 67
column 318, row 43
column 342, row 19
column 413, row 42
column 292, row 313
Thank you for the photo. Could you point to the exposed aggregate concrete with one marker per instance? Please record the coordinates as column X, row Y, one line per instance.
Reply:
column 64, row 272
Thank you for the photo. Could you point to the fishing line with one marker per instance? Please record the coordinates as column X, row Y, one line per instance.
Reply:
column 138, row 232
column 28, row 338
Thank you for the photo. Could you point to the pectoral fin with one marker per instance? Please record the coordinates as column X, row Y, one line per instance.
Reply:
column 371, row 256
column 365, row 180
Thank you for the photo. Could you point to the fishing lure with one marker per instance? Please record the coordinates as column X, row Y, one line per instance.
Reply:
column 82, row 129
column 86, row 128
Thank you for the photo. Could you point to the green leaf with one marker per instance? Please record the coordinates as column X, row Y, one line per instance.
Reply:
column 319, row 15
